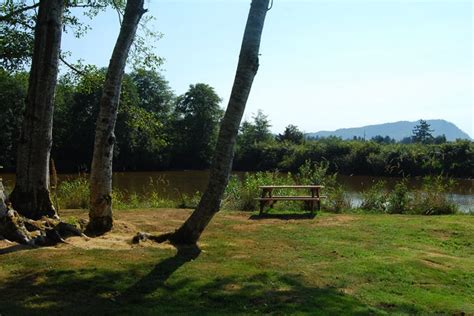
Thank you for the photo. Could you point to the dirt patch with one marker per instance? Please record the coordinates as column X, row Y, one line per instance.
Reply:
column 156, row 221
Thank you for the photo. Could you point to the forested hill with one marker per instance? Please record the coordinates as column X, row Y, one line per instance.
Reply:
column 396, row 130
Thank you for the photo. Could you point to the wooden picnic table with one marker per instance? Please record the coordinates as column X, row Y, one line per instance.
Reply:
column 267, row 197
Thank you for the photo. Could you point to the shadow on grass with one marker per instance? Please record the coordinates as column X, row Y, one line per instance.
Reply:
column 283, row 216
column 160, row 273
column 165, row 290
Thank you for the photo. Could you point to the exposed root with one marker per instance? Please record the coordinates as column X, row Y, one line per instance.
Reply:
column 46, row 231
column 43, row 232
column 140, row 237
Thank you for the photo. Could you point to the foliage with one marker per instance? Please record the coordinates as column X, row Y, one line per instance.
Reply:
column 255, row 132
column 155, row 131
column 375, row 199
column 196, row 121
column 17, row 24
column 12, row 95
column 399, row 199
column 74, row 193
column 455, row 159
column 432, row 199
column 291, row 134
column 241, row 191
column 422, row 133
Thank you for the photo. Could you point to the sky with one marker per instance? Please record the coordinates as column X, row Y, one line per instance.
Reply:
column 324, row 64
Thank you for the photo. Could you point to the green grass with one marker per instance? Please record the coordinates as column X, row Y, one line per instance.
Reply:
column 330, row 265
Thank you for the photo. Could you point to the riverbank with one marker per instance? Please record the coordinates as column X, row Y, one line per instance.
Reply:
column 333, row 263
column 178, row 188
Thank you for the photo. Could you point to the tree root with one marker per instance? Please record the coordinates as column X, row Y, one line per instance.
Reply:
column 43, row 232
column 46, row 231
column 140, row 237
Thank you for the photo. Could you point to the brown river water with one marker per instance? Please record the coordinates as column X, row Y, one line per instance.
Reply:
column 171, row 184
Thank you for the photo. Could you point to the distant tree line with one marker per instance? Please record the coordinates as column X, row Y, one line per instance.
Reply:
column 157, row 130
column 259, row 150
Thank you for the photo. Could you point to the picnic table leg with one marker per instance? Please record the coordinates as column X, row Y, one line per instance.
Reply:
column 319, row 199
column 263, row 203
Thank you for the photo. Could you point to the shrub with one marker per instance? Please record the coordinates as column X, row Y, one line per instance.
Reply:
column 375, row 198
column 338, row 200
column 241, row 192
column 399, row 200
column 189, row 201
column 432, row 198
column 74, row 193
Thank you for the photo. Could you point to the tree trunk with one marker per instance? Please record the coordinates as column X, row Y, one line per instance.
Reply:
column 30, row 196
column 100, row 213
column 221, row 167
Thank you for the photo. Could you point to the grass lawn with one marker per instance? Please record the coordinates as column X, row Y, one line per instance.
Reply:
column 331, row 264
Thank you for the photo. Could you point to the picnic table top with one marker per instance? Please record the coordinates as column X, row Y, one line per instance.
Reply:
column 291, row 186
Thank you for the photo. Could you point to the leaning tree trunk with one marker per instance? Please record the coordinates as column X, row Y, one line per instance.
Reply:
column 221, row 167
column 100, row 213
column 30, row 196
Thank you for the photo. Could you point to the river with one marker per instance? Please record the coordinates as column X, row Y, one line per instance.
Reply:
column 171, row 184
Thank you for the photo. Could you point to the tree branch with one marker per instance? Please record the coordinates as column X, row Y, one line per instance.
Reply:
column 8, row 16
column 70, row 66
column 118, row 11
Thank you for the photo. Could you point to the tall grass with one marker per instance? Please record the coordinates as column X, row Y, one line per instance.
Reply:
column 75, row 194
column 242, row 191
column 430, row 199
column 240, row 194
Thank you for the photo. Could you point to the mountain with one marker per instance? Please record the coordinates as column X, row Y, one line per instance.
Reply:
column 396, row 130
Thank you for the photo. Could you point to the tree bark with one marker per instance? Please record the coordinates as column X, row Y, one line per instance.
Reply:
column 30, row 196
column 100, row 213
column 221, row 167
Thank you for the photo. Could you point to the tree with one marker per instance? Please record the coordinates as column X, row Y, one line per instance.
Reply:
column 13, row 89
column 382, row 140
column 197, row 117
column 258, row 131
column 100, row 213
column 291, row 134
column 17, row 26
column 17, row 29
column 30, row 196
column 247, row 68
column 422, row 133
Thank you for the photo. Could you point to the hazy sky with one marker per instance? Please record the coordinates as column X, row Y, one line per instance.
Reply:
column 324, row 64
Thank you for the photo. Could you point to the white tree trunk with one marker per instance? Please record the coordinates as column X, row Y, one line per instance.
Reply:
column 3, row 198
column 100, row 213
column 30, row 196
column 221, row 167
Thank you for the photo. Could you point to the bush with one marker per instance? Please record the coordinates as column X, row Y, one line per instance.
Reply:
column 399, row 200
column 338, row 201
column 240, row 193
column 375, row 199
column 432, row 198
column 189, row 201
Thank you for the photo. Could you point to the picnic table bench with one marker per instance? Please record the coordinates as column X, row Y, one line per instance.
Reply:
column 267, row 197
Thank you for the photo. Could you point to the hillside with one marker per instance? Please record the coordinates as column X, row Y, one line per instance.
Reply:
column 396, row 130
